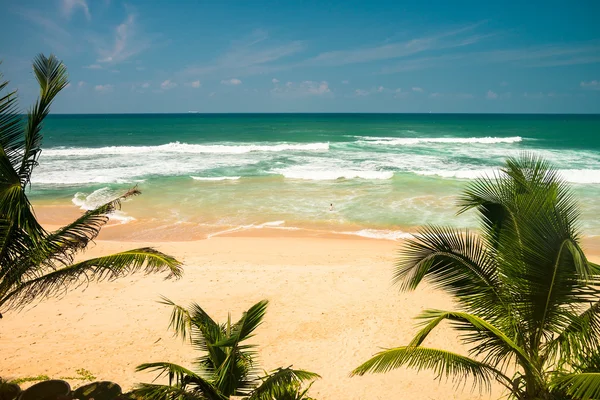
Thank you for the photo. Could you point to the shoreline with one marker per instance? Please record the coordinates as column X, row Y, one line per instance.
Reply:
column 136, row 231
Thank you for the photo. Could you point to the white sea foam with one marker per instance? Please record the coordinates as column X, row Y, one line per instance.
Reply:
column 269, row 224
column 394, row 141
column 177, row 147
column 379, row 234
column 584, row 176
column 581, row 175
column 97, row 198
column 216, row 178
column 459, row 174
column 315, row 173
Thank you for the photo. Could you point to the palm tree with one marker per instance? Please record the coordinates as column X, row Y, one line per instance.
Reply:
column 35, row 263
column 526, row 292
column 227, row 366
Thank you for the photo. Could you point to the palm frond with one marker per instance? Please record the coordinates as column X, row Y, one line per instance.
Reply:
column 16, row 209
column 149, row 391
column 11, row 129
column 492, row 342
column 52, row 77
column 176, row 373
column 443, row 363
column 457, row 262
column 581, row 386
column 180, row 318
column 579, row 338
column 280, row 378
column 96, row 269
column 249, row 321
column 62, row 244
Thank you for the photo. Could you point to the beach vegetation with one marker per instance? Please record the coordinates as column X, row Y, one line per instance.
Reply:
column 227, row 365
column 528, row 302
column 35, row 263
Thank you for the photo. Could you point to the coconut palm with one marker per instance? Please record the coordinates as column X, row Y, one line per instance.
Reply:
column 227, row 366
column 35, row 263
column 526, row 292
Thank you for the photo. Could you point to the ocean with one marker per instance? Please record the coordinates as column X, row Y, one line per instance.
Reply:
column 385, row 174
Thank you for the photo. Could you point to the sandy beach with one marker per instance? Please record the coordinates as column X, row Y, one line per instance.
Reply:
column 332, row 305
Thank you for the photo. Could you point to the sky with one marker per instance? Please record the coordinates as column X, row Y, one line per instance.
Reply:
column 309, row 56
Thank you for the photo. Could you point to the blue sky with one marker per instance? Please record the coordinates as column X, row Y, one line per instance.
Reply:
column 310, row 56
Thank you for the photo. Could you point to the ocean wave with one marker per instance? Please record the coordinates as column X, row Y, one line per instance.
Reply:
column 460, row 174
column 269, row 224
column 177, row 147
column 318, row 174
column 379, row 234
column 394, row 141
column 216, row 178
column 583, row 176
column 97, row 198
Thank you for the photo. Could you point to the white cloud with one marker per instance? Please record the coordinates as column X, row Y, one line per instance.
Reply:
column 212, row 94
column 361, row 92
column 166, row 85
column 68, row 6
column 93, row 66
column 380, row 89
column 104, row 88
column 387, row 51
column 503, row 83
column 436, row 95
column 491, row 95
column 68, row 85
column 398, row 90
column 140, row 68
column 316, row 87
column 80, row 83
column 305, row 88
column 145, row 85
column 345, row 82
column 232, row 81
column 251, row 55
column 593, row 85
column 417, row 89
column 195, row 84
column 275, row 80
column 127, row 42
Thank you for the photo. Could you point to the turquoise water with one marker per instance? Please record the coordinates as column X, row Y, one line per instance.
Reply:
column 383, row 173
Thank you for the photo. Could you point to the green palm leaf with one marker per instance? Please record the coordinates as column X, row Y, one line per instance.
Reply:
column 11, row 129
column 149, row 391
column 51, row 75
column 280, row 378
column 443, row 363
column 63, row 243
column 174, row 372
column 493, row 342
column 96, row 269
column 226, row 368
column 527, row 294
column 456, row 262
column 582, row 386
column 249, row 321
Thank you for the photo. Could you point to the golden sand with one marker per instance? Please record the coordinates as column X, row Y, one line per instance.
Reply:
column 332, row 306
